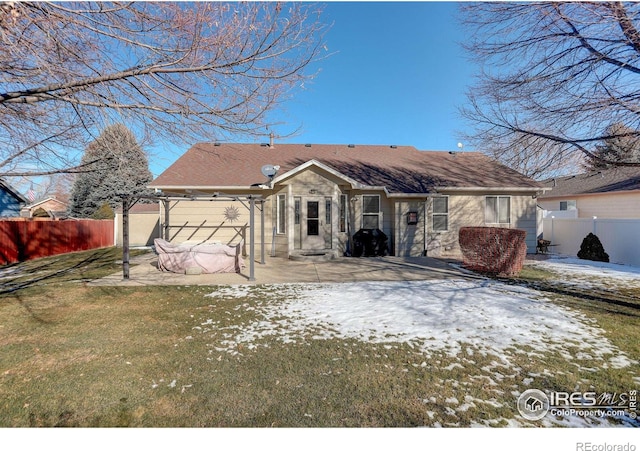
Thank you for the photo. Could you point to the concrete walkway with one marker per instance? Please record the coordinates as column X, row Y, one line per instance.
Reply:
column 143, row 272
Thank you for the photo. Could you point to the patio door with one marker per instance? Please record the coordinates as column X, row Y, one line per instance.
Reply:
column 316, row 223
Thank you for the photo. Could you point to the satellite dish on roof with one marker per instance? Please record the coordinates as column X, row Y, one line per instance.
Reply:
column 269, row 170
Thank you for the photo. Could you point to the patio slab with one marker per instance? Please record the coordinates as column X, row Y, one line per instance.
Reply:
column 144, row 272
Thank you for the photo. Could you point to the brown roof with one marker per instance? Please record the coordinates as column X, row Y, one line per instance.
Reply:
column 401, row 169
column 602, row 181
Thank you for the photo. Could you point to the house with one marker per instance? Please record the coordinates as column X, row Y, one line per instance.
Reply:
column 10, row 201
column 316, row 197
column 608, row 193
column 54, row 208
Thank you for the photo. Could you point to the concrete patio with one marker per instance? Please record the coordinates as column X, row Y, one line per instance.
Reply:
column 144, row 272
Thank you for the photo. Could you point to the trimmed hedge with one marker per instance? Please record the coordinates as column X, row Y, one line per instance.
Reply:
column 493, row 250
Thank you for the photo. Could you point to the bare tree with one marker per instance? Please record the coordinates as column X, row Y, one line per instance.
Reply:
column 554, row 73
column 174, row 70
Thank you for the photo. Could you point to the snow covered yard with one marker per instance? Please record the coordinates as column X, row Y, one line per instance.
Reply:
column 589, row 274
column 482, row 333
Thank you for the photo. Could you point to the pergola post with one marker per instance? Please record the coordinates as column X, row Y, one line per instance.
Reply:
column 128, row 202
column 125, row 237
column 262, row 233
column 165, row 228
column 252, row 207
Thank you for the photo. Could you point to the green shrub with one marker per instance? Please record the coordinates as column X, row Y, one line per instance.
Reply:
column 104, row 212
column 592, row 249
column 40, row 213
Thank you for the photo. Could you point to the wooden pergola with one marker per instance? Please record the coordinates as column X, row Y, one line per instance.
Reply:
column 166, row 198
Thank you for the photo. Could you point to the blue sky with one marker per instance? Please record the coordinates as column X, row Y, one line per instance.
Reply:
column 396, row 75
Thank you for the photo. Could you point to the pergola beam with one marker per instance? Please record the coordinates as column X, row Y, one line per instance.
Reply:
column 129, row 201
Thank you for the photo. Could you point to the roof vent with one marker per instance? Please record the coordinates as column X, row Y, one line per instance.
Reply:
column 307, row 145
column 351, row 146
column 451, row 152
column 264, row 145
column 393, row 146
column 217, row 144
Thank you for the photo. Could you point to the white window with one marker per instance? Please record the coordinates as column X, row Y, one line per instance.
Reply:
column 498, row 210
column 568, row 205
column 281, row 214
column 440, row 214
column 371, row 211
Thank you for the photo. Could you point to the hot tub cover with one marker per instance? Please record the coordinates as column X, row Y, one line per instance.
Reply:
column 210, row 258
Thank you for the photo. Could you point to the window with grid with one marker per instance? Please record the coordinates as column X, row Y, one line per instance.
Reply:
column 371, row 211
column 440, row 214
column 498, row 210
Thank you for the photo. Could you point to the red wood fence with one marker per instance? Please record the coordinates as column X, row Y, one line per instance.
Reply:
column 25, row 239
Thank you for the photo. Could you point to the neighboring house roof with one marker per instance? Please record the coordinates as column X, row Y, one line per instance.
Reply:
column 4, row 186
column 399, row 169
column 595, row 182
column 53, row 206
column 49, row 200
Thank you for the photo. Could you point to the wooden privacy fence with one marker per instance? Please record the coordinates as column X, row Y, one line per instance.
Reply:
column 26, row 239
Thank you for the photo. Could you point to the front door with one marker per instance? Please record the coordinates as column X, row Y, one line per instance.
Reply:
column 316, row 223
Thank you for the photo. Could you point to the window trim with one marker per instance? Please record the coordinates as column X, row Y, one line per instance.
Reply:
column 378, row 214
column 497, row 211
column 434, row 214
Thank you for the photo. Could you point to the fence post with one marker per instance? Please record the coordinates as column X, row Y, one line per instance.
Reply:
column 594, row 225
column 552, row 232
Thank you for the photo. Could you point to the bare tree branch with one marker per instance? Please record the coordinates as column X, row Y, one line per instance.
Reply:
column 560, row 73
column 183, row 71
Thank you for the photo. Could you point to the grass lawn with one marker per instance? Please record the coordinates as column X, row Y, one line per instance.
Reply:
column 74, row 355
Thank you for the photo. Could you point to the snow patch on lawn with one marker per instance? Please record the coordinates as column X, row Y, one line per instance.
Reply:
column 586, row 273
column 459, row 317
column 433, row 315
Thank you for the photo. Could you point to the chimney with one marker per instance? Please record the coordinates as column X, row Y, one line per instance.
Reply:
column 271, row 140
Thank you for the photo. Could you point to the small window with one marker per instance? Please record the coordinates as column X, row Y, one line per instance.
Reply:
column 327, row 210
column 440, row 214
column 343, row 213
column 371, row 212
column 498, row 210
column 568, row 205
column 281, row 214
column 296, row 210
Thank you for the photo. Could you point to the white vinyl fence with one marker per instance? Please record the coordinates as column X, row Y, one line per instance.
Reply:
column 620, row 237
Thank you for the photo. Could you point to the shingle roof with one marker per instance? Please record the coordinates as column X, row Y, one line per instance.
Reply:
column 12, row 191
column 602, row 181
column 401, row 169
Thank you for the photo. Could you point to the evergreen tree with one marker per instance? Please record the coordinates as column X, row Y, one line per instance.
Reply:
column 116, row 165
column 623, row 146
